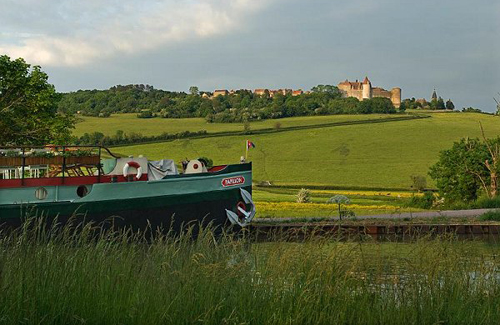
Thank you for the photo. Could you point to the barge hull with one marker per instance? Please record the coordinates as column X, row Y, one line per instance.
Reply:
column 172, row 212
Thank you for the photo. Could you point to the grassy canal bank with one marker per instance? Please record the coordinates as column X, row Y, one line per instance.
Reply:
column 120, row 278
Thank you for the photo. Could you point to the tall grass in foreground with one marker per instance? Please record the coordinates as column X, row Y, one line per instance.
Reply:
column 69, row 277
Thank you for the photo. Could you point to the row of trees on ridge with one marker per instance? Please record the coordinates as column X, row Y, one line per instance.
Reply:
column 243, row 105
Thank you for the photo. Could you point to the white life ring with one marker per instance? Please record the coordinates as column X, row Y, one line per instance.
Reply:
column 136, row 166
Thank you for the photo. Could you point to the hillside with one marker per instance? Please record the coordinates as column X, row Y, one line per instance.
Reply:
column 129, row 123
column 380, row 155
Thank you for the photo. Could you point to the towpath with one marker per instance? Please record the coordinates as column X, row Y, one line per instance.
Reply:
column 404, row 215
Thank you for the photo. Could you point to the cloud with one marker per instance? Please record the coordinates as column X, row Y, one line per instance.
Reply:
column 63, row 34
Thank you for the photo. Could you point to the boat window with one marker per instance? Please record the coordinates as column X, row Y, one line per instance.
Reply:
column 41, row 193
column 82, row 191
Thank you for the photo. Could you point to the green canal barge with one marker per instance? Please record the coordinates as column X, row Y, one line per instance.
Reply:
column 92, row 184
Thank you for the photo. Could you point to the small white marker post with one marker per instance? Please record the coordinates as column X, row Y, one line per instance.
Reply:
column 246, row 150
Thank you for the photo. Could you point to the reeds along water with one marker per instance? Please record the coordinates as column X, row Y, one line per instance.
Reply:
column 71, row 275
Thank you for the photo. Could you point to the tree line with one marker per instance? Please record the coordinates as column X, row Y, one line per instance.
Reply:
column 240, row 106
column 120, row 137
column 434, row 104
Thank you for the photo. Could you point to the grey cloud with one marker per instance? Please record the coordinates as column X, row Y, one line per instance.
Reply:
column 85, row 31
column 417, row 45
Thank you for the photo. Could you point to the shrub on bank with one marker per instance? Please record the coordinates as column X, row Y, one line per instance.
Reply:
column 490, row 216
column 481, row 203
column 304, row 196
column 487, row 203
column 422, row 202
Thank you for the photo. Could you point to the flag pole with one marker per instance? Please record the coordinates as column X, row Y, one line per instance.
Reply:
column 246, row 149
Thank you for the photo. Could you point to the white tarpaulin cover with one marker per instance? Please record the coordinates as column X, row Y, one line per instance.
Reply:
column 161, row 168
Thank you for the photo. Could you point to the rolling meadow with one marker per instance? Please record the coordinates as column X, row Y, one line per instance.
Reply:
column 128, row 122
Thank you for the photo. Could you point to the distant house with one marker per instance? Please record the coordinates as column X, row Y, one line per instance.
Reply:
column 273, row 92
column 260, row 91
column 285, row 91
column 221, row 92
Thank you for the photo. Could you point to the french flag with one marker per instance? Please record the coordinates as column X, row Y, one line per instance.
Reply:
column 250, row 144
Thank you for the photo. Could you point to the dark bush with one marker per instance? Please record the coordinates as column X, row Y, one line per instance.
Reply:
column 487, row 203
column 145, row 114
column 422, row 202
column 419, row 182
column 490, row 216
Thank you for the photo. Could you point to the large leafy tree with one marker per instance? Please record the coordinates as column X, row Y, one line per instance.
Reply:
column 440, row 104
column 28, row 106
column 193, row 90
column 329, row 89
column 468, row 167
column 449, row 105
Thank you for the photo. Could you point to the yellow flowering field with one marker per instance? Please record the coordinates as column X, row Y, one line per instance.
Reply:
column 293, row 209
column 282, row 203
column 318, row 206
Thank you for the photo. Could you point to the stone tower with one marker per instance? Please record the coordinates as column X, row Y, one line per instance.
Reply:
column 396, row 96
column 367, row 89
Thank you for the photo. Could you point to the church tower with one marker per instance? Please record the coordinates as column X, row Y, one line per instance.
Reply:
column 367, row 89
column 434, row 95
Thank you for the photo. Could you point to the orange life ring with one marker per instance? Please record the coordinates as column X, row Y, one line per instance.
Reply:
column 136, row 166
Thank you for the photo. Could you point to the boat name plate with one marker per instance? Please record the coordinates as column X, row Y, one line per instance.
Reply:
column 233, row 181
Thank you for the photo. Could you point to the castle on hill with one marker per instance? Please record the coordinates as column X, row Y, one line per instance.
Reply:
column 364, row 90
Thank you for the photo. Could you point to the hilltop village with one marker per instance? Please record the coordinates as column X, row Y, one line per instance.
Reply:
column 355, row 89
column 222, row 105
column 360, row 90
column 257, row 92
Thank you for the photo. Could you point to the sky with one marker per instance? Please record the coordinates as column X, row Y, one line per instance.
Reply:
column 450, row 45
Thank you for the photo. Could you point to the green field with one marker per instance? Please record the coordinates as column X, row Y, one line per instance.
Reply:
column 156, row 126
column 379, row 155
